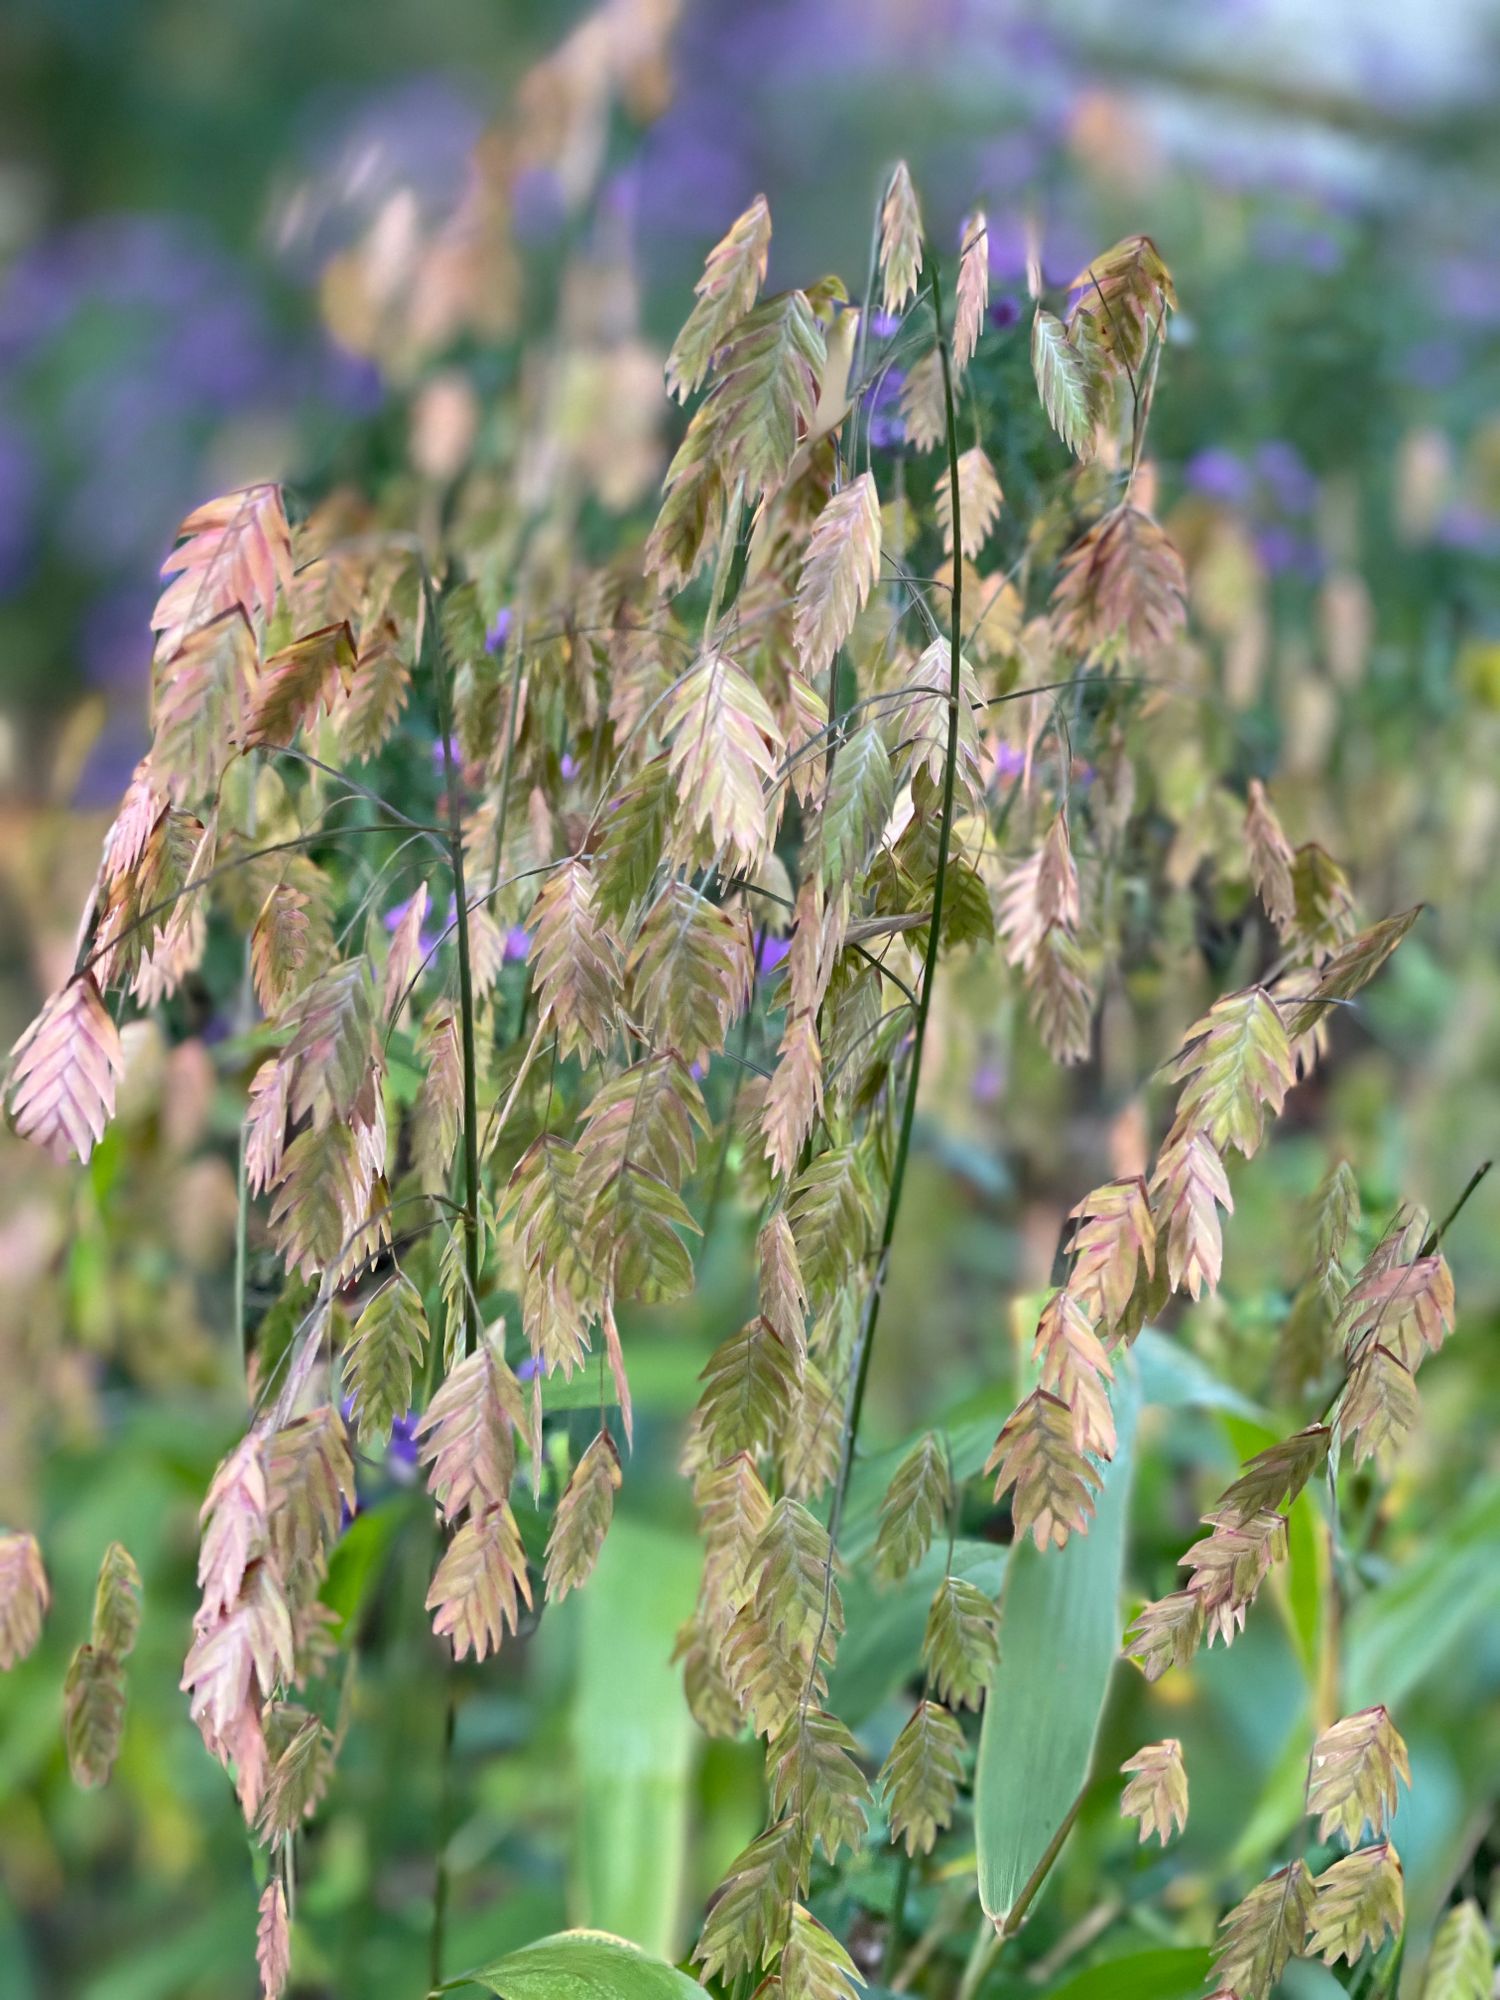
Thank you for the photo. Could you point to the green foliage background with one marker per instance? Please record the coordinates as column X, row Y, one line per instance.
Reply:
column 579, row 1791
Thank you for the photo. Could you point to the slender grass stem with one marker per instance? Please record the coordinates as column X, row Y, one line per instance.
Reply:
column 934, row 935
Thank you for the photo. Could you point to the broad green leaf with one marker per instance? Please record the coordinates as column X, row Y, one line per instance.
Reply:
column 1281, row 1804
column 1404, row 1629
column 584, row 1965
column 1174, row 1377
column 633, row 1735
column 1059, row 1641
column 1144, row 1975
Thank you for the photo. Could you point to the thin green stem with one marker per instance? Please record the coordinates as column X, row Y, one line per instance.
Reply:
column 934, row 932
column 472, row 1328
column 892, row 1955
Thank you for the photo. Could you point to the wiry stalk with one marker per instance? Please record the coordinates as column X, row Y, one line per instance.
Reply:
column 934, row 935
column 472, row 1329
column 435, row 664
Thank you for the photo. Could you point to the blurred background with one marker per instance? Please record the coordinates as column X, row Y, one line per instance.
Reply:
column 197, row 204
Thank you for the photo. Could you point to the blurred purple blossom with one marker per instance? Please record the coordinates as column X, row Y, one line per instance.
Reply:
column 540, row 205
column 499, row 630
column 517, row 944
column 1473, row 530
column 1291, row 484
column 1005, row 311
column 887, row 429
column 1219, row 474
column 773, row 950
column 1009, row 763
column 1286, row 553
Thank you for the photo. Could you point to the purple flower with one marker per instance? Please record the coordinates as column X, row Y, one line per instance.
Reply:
column 1291, row 485
column 1009, row 762
column 499, row 632
column 568, row 766
column 1219, row 474
column 1473, row 530
column 539, row 204
column 1004, row 312
column 517, row 944
column 884, row 324
column 1286, row 553
column 772, row 951
column 401, row 1453
column 887, row 429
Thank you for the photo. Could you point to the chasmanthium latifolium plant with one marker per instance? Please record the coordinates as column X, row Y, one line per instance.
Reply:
column 585, row 902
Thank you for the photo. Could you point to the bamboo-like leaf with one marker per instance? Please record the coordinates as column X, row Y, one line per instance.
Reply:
column 1059, row 1626
column 584, row 1965
column 900, row 240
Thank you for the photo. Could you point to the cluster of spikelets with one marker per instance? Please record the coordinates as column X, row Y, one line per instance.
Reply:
column 721, row 784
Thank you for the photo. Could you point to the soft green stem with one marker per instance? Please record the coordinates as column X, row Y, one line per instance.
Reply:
column 896, row 1924
column 473, row 1330
column 934, row 933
